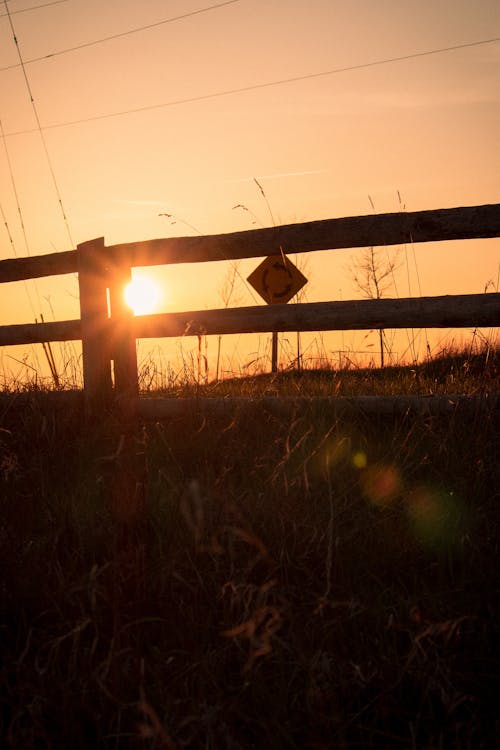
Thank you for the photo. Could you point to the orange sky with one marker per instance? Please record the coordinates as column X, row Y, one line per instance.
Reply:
column 426, row 127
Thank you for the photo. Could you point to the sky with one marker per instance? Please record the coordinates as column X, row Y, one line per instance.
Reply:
column 170, row 130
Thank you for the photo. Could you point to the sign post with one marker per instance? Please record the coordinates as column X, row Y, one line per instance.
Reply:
column 277, row 280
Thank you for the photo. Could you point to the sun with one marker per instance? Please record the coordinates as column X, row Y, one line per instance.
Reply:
column 142, row 295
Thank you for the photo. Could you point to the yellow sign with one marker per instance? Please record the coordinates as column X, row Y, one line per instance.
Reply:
column 277, row 279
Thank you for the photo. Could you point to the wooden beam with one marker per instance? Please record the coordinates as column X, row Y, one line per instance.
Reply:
column 128, row 470
column 123, row 347
column 160, row 408
column 470, row 222
column 356, row 231
column 274, row 352
column 36, row 266
column 457, row 311
column 454, row 311
column 37, row 333
column 283, row 406
column 96, row 344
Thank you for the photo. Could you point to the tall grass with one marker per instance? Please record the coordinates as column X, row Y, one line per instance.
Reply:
column 302, row 582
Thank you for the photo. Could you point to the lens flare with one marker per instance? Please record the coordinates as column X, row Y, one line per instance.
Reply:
column 142, row 295
column 359, row 460
column 437, row 517
column 381, row 484
column 336, row 451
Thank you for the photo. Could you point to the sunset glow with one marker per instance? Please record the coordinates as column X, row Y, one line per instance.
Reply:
column 160, row 121
column 143, row 295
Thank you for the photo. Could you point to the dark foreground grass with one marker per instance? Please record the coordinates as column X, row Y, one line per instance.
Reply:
column 307, row 583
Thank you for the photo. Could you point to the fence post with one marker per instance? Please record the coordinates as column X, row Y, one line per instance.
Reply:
column 128, row 499
column 92, row 281
column 124, row 352
column 274, row 352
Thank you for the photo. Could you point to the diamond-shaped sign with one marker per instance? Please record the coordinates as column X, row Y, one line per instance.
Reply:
column 277, row 279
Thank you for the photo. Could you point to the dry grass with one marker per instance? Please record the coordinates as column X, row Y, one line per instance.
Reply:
column 299, row 583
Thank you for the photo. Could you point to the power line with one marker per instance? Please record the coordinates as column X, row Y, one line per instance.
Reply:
column 232, row 263
column 122, row 34
column 21, row 222
column 33, row 7
column 256, row 86
column 16, row 194
column 42, row 136
column 14, row 251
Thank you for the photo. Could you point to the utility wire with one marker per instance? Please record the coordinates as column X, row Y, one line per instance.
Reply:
column 23, row 229
column 123, row 33
column 46, row 346
column 14, row 252
column 257, row 86
column 33, row 7
column 232, row 263
column 40, row 130
column 16, row 194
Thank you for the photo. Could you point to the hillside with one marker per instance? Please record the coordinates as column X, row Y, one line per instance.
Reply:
column 300, row 582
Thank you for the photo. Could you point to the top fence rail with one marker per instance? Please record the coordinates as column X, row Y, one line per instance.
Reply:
column 471, row 222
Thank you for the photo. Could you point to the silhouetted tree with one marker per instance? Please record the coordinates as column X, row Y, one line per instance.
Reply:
column 374, row 275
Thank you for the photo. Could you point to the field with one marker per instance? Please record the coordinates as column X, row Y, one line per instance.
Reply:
column 307, row 581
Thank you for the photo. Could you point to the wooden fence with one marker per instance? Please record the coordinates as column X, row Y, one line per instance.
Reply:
column 109, row 331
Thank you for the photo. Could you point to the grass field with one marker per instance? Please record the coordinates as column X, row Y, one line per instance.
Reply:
column 309, row 582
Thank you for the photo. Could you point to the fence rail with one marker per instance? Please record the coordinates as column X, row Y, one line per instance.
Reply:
column 451, row 311
column 470, row 222
column 111, row 336
column 152, row 409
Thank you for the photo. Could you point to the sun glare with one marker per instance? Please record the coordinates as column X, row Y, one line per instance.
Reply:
column 142, row 295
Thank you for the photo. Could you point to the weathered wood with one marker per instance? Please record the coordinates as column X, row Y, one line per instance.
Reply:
column 128, row 471
column 37, row 333
column 283, row 406
column 355, row 231
column 49, row 400
column 52, row 264
column 127, row 475
column 161, row 408
column 96, row 344
column 123, row 347
column 454, row 311
column 469, row 222
column 274, row 352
